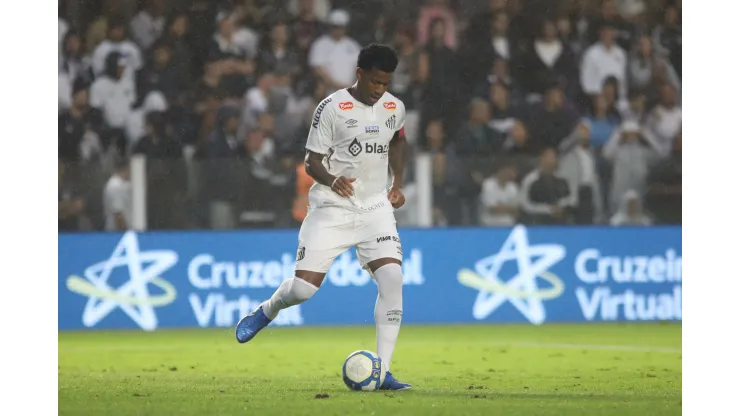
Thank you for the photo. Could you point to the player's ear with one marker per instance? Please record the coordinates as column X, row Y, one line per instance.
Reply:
column 358, row 72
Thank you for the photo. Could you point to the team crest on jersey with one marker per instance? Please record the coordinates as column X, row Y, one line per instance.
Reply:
column 355, row 148
column 389, row 105
column 391, row 122
column 317, row 114
column 346, row 105
column 372, row 130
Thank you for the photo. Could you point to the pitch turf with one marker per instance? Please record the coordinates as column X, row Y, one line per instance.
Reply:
column 590, row 369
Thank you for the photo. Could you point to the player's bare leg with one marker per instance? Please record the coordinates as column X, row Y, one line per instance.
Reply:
column 291, row 292
column 388, row 313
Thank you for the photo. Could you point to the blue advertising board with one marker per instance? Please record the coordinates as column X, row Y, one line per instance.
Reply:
column 531, row 275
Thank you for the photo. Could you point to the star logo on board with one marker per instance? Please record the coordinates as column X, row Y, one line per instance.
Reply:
column 133, row 298
column 522, row 291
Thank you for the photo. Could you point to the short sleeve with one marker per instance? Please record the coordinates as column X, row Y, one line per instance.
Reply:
column 401, row 116
column 321, row 134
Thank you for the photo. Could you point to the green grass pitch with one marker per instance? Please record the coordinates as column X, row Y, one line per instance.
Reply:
column 587, row 369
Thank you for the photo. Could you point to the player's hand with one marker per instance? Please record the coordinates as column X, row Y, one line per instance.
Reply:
column 343, row 186
column 396, row 197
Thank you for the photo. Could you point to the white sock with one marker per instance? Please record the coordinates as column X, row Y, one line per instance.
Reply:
column 291, row 292
column 388, row 309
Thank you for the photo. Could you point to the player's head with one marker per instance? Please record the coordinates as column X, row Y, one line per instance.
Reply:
column 375, row 66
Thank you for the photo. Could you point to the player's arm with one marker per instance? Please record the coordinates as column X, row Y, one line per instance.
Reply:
column 396, row 157
column 319, row 143
column 316, row 169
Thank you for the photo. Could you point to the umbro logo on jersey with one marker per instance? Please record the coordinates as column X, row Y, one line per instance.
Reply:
column 355, row 148
column 351, row 123
column 391, row 122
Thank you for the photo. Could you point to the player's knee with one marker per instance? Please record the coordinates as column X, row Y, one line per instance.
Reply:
column 390, row 279
column 314, row 278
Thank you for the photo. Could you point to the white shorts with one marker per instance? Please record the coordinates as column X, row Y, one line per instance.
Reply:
column 329, row 231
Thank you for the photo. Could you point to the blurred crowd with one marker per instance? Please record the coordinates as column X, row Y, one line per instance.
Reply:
column 533, row 111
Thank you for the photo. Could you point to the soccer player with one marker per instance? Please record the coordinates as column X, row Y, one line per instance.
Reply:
column 356, row 134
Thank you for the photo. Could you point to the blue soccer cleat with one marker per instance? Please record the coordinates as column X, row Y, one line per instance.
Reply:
column 251, row 324
column 391, row 383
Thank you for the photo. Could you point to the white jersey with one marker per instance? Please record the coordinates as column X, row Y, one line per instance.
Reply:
column 355, row 138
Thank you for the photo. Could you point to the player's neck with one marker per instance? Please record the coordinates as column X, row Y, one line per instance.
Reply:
column 355, row 93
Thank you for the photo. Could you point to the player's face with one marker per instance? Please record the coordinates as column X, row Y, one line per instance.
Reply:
column 373, row 84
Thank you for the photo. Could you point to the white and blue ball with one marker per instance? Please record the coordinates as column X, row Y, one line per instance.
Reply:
column 363, row 371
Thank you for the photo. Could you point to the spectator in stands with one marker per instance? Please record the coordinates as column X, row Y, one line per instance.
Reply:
column 117, row 41
column 501, row 45
column 438, row 73
column 601, row 122
column 630, row 212
column 97, row 31
column 161, row 74
column 609, row 16
column 136, row 124
column 277, row 54
column 431, row 12
column 157, row 142
column 578, row 166
column 177, row 35
column 406, row 78
column 223, row 179
column 333, row 56
column 545, row 196
column 663, row 198
column 476, row 137
column 503, row 114
column 320, row 9
column 72, row 58
column 547, row 58
column 636, row 107
column 71, row 204
column 117, row 199
column 499, row 74
column 500, row 198
column 234, row 48
column 601, row 60
column 446, row 175
column 552, row 120
column 79, row 127
column 667, row 36
column 616, row 103
column 517, row 140
column 306, row 26
column 644, row 61
column 148, row 24
column 664, row 120
column 631, row 153
column 114, row 94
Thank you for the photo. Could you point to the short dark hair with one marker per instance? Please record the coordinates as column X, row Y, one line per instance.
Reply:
column 377, row 56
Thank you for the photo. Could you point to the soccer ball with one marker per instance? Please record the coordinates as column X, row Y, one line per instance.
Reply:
column 363, row 371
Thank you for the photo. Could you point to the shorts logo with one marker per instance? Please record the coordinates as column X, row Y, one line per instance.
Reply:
column 374, row 130
column 389, row 105
column 388, row 238
column 301, row 254
column 346, row 105
column 391, row 122
column 351, row 123
column 355, row 148
column 319, row 110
